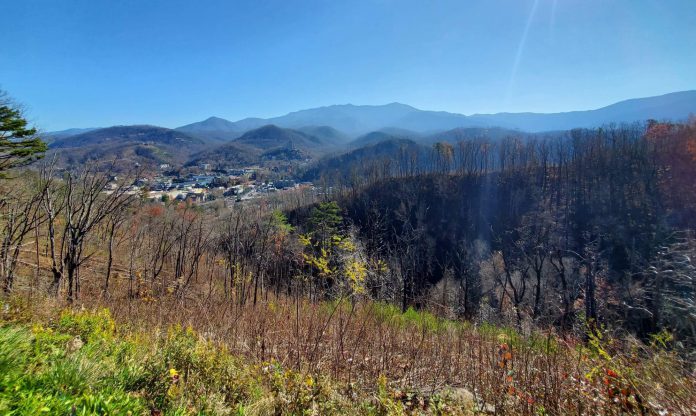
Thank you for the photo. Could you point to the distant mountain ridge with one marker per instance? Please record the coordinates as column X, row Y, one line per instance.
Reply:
column 321, row 132
column 356, row 120
column 52, row 136
column 142, row 144
column 268, row 142
column 271, row 137
column 135, row 133
column 215, row 128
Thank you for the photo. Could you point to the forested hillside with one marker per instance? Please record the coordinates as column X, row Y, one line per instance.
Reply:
column 587, row 227
column 399, row 208
column 420, row 284
column 126, row 145
column 492, row 275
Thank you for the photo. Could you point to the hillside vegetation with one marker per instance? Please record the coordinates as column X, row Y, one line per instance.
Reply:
column 361, row 360
column 128, row 145
column 357, row 120
column 546, row 276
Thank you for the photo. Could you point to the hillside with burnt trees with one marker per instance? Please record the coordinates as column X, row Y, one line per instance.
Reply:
column 513, row 275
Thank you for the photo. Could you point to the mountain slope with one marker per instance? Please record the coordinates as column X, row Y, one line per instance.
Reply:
column 356, row 120
column 213, row 128
column 359, row 161
column 265, row 143
column 674, row 106
column 389, row 133
column 54, row 135
column 352, row 119
column 149, row 145
column 271, row 137
column 328, row 135
column 472, row 133
column 226, row 155
column 127, row 134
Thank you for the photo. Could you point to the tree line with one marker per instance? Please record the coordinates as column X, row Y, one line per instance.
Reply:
column 585, row 228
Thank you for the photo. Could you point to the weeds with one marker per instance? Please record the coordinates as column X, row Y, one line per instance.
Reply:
column 367, row 359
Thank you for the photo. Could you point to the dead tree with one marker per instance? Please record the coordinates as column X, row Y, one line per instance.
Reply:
column 21, row 214
column 114, row 221
column 87, row 198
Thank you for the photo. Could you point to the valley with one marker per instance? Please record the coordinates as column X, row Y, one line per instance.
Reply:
column 364, row 208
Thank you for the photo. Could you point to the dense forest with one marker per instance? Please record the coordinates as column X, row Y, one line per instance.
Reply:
column 594, row 225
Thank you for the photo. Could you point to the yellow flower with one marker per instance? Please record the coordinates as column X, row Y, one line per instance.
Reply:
column 173, row 372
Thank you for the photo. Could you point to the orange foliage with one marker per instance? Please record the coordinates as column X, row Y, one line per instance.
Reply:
column 154, row 210
column 675, row 149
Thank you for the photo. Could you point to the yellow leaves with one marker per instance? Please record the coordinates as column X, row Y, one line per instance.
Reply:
column 382, row 382
column 305, row 240
column 347, row 245
column 236, row 273
column 174, row 389
column 309, row 381
column 38, row 328
column 356, row 273
column 382, row 266
column 320, row 263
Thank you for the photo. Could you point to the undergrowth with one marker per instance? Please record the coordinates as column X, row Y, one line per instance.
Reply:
column 287, row 358
column 81, row 362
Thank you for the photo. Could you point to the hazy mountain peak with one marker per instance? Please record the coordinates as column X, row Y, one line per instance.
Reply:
column 356, row 120
column 210, row 123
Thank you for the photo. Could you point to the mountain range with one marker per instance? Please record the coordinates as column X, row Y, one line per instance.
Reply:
column 126, row 145
column 356, row 120
column 310, row 134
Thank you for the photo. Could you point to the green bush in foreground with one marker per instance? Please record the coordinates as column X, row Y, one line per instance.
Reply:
column 82, row 363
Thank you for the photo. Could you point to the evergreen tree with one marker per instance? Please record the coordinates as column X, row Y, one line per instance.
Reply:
column 19, row 144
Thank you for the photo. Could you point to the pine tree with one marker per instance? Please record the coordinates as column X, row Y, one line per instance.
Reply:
column 19, row 144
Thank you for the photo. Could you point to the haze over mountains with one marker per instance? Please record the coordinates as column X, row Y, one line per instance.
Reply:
column 129, row 144
column 355, row 120
column 309, row 134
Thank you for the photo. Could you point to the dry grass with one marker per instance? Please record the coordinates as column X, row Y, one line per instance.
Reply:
column 357, row 344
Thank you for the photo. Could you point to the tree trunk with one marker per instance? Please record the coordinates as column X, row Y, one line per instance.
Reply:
column 109, row 261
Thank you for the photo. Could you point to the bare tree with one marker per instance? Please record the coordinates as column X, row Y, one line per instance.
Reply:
column 114, row 222
column 671, row 288
column 82, row 200
column 21, row 214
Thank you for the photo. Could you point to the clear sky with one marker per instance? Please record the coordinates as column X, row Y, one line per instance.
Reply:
column 83, row 63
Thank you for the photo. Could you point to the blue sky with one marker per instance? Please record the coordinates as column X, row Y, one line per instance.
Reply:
column 80, row 63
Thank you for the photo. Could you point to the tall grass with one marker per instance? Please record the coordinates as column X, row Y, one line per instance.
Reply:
column 364, row 353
